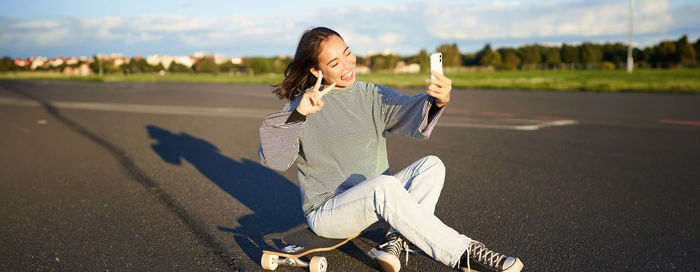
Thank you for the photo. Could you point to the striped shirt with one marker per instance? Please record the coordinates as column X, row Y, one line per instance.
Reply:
column 344, row 143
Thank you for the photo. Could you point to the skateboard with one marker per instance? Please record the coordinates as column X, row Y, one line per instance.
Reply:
column 297, row 245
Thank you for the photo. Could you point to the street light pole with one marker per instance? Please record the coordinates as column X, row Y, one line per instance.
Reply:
column 630, row 60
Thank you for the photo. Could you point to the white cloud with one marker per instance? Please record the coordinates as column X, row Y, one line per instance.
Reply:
column 146, row 36
column 39, row 33
column 354, row 38
column 650, row 6
column 390, row 38
column 40, row 25
column 500, row 4
column 561, row 18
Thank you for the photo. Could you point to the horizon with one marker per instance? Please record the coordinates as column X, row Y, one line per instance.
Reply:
column 234, row 29
column 210, row 54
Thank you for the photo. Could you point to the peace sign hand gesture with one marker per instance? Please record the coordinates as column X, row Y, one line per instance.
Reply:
column 311, row 101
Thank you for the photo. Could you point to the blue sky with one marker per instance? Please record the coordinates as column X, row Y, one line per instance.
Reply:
column 267, row 28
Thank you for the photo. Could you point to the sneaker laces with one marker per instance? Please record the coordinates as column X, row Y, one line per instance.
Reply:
column 477, row 251
column 394, row 244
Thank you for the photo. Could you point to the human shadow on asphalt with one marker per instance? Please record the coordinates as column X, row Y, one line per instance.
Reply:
column 274, row 200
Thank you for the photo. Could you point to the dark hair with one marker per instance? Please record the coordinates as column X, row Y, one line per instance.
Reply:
column 297, row 76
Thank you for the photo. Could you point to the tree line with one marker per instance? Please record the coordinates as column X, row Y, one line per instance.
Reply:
column 248, row 65
column 666, row 54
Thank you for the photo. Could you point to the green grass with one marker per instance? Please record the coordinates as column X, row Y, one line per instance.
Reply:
column 642, row 80
column 673, row 81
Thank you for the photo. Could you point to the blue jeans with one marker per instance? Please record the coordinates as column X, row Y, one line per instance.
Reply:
column 406, row 201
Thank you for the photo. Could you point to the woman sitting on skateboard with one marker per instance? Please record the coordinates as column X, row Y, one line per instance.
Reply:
column 335, row 128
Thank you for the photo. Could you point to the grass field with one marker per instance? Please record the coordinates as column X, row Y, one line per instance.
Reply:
column 643, row 80
column 675, row 81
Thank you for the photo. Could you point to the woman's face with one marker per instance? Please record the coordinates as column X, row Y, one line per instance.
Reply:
column 337, row 62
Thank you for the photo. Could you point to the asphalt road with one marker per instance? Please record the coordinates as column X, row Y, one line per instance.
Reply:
column 165, row 176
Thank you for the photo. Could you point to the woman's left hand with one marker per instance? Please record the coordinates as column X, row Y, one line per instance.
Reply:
column 440, row 88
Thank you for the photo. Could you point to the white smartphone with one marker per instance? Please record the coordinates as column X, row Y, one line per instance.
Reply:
column 436, row 63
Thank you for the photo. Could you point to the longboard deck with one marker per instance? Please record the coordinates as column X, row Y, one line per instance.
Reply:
column 310, row 243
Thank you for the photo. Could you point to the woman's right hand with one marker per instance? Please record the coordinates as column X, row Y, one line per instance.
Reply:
column 311, row 101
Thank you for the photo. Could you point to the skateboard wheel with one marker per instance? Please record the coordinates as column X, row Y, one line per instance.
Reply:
column 318, row 264
column 269, row 261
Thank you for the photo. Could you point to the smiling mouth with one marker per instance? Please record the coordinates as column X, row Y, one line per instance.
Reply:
column 348, row 76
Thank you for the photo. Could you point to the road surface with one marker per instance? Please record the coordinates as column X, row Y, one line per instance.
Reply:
column 165, row 176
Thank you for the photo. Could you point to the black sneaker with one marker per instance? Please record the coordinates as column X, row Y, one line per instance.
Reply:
column 488, row 260
column 387, row 254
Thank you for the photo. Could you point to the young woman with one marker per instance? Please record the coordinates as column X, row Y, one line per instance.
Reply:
column 334, row 127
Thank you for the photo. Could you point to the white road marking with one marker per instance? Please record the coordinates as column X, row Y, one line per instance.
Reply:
column 17, row 102
column 530, row 127
column 488, row 123
column 152, row 109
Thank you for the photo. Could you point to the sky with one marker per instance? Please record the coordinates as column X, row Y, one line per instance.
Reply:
column 270, row 28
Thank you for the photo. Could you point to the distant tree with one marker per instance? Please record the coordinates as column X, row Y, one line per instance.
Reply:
column 488, row 57
column 379, row 62
column 637, row 54
column 697, row 49
column 259, row 65
column 126, row 67
column 531, row 56
column 620, row 50
column 469, row 59
column 649, row 57
column 686, row 52
column 392, row 60
column 509, row 58
column 108, row 65
column 687, row 55
column 385, row 62
column 94, row 65
column 570, row 54
column 552, row 56
column 666, row 54
column 608, row 51
column 410, row 59
column 591, row 54
column 142, row 65
column 615, row 53
column 179, row 68
column 423, row 60
column 136, row 65
column 159, row 67
column 662, row 55
column 362, row 60
column 279, row 64
column 7, row 64
column 451, row 57
column 206, row 65
column 230, row 67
